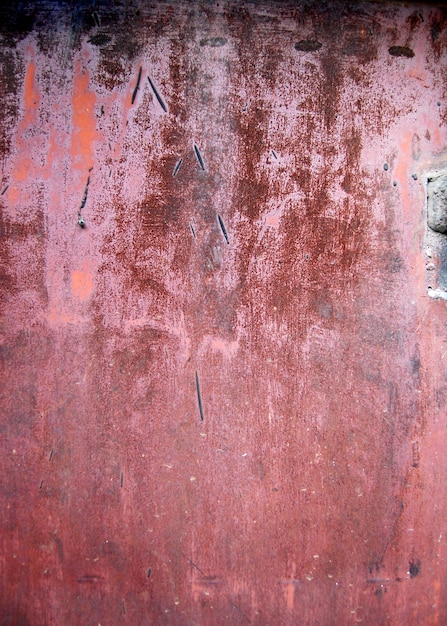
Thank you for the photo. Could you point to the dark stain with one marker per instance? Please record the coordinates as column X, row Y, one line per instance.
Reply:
column 414, row 568
column 416, row 362
column 17, row 18
column 415, row 454
column 331, row 86
column 308, row 45
column 401, row 51
column 213, row 42
column 414, row 20
column 82, row 18
column 100, row 40
column 11, row 76
column 240, row 21
column 436, row 30
column 59, row 548
column 356, row 46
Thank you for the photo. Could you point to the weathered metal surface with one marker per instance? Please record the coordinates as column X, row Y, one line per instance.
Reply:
column 223, row 376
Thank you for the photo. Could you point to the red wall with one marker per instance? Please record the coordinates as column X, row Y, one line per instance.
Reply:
column 224, row 398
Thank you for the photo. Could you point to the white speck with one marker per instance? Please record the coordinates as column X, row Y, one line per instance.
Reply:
column 192, row 478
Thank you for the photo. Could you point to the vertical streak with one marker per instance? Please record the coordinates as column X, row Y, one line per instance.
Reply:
column 199, row 397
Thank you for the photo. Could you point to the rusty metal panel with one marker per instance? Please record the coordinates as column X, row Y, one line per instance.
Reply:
column 223, row 322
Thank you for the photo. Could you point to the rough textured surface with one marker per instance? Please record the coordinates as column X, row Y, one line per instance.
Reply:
column 223, row 381
column 437, row 203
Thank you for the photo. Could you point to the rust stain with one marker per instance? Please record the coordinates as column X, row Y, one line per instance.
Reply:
column 233, row 354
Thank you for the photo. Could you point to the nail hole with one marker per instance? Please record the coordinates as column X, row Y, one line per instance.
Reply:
column 401, row 51
column 308, row 45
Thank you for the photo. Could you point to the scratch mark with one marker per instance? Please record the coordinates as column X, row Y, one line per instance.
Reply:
column 392, row 534
column 177, row 167
column 81, row 220
column 41, row 485
column 197, row 567
column 241, row 612
column 122, row 479
column 210, row 580
column 149, row 572
column 137, row 86
column 96, row 18
column 157, row 95
column 293, row 581
column 223, row 229
column 5, row 190
column 51, row 454
column 84, row 198
column 274, row 154
column 124, row 608
column 193, row 564
column 90, row 578
column 380, row 580
column 192, row 230
column 199, row 157
column 199, row 397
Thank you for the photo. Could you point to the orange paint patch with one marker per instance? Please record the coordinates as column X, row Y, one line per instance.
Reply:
column 82, row 282
column 24, row 167
column 31, row 96
column 84, row 124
